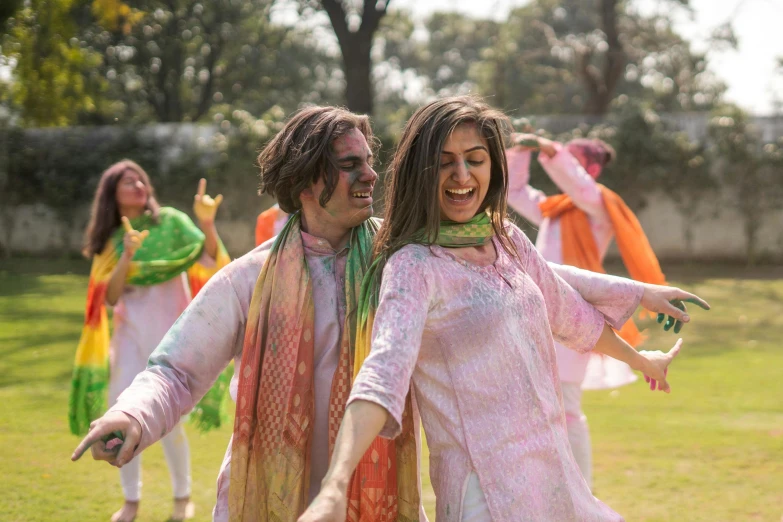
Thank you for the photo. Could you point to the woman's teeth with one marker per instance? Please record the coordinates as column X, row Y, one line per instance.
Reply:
column 460, row 194
column 361, row 194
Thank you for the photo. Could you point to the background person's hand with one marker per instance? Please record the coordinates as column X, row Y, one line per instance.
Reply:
column 132, row 239
column 204, row 207
column 670, row 301
column 113, row 438
column 525, row 141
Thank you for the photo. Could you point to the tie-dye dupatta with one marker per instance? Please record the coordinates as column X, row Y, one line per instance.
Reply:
column 270, row 465
column 174, row 245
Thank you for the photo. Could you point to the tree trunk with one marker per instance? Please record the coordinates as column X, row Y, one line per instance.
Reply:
column 355, row 47
column 751, row 233
column 358, row 76
column 9, row 223
column 601, row 83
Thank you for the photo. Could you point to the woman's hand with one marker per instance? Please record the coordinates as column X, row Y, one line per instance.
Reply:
column 132, row 239
column 670, row 301
column 204, row 207
column 330, row 505
column 656, row 366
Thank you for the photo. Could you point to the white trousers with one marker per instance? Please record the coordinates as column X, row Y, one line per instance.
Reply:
column 578, row 430
column 474, row 503
column 177, row 452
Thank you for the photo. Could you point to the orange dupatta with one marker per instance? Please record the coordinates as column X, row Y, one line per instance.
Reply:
column 580, row 250
column 265, row 224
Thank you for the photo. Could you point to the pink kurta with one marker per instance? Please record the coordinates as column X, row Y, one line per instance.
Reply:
column 210, row 333
column 477, row 343
column 573, row 180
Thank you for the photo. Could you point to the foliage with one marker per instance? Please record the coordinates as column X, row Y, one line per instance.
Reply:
column 754, row 171
column 558, row 57
column 56, row 80
column 175, row 63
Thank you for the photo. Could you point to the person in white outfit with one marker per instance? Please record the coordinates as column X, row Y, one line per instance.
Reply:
column 574, row 168
column 144, row 311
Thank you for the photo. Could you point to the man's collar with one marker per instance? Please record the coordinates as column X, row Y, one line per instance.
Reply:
column 319, row 245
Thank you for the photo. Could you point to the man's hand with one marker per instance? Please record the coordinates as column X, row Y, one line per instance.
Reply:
column 668, row 300
column 204, row 206
column 113, row 438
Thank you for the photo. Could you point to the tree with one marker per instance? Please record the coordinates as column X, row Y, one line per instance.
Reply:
column 566, row 56
column 610, row 48
column 185, row 63
column 54, row 78
column 7, row 9
column 355, row 29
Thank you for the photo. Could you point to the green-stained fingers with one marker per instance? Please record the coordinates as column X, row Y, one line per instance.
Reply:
column 661, row 317
column 698, row 302
column 678, row 325
column 669, row 323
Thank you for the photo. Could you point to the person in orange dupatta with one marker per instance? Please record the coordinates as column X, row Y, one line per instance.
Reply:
column 270, row 223
column 576, row 228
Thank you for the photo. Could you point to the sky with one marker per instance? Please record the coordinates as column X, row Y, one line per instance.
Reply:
column 749, row 72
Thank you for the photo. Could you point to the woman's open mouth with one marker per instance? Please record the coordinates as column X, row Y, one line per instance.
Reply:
column 462, row 195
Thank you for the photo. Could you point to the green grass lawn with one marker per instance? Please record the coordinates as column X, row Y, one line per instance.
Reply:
column 712, row 450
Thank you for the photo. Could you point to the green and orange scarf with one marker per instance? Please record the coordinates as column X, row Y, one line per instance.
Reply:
column 174, row 245
column 476, row 232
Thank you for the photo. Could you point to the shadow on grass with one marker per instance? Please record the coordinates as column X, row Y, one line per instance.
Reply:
column 45, row 265
column 37, row 372
column 30, row 285
column 25, row 314
column 15, row 344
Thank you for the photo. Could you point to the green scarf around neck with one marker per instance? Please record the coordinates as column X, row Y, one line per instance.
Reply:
column 476, row 232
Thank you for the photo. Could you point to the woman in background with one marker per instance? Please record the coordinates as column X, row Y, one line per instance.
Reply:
column 147, row 262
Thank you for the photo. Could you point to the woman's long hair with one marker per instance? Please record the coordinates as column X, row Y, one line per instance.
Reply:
column 412, row 191
column 105, row 213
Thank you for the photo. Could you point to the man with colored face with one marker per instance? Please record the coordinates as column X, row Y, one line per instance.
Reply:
column 286, row 313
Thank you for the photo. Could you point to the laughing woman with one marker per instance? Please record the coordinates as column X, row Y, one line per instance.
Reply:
column 147, row 262
column 464, row 315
